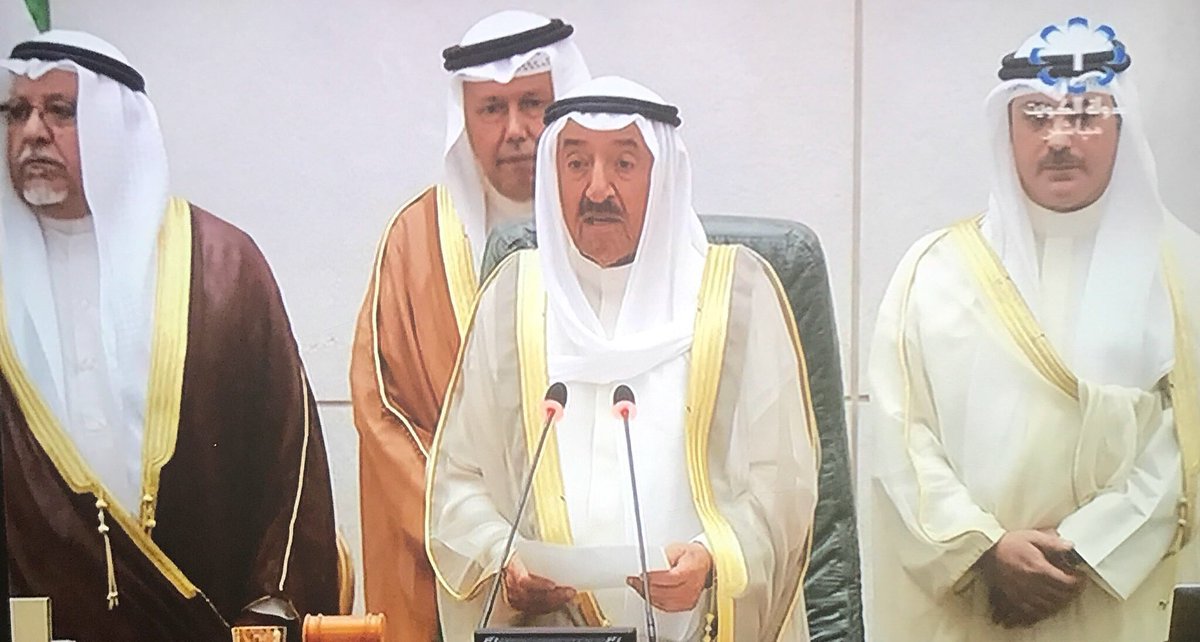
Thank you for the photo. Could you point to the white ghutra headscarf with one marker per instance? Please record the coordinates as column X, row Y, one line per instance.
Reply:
column 658, row 310
column 1124, row 330
column 125, row 176
column 462, row 175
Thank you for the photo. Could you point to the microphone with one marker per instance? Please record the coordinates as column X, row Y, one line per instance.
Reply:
column 625, row 409
column 552, row 409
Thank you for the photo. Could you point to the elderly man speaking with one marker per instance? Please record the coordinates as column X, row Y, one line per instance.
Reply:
column 625, row 289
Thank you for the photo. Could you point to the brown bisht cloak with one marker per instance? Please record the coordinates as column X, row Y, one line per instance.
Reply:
column 405, row 344
column 240, row 508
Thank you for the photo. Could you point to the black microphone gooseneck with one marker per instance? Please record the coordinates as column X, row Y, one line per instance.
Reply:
column 552, row 406
column 624, row 407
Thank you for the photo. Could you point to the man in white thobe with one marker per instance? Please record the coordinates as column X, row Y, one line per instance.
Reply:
column 625, row 289
column 1028, row 469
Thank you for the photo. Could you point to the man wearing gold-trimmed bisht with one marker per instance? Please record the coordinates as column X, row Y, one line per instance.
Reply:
column 625, row 289
column 505, row 71
column 165, row 475
column 1030, row 469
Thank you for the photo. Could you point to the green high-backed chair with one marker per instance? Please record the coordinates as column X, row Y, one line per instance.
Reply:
column 832, row 588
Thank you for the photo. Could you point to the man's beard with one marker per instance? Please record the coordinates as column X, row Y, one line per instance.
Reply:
column 38, row 193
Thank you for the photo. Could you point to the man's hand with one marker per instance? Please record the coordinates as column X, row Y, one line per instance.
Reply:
column 1025, row 587
column 679, row 588
column 532, row 594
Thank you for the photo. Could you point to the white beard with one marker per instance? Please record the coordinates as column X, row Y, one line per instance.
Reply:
column 40, row 194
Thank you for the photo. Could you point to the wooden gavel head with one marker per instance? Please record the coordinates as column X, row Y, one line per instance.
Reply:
column 344, row 628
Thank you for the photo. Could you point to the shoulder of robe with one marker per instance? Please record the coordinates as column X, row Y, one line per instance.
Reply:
column 921, row 252
column 502, row 273
column 417, row 208
column 762, row 274
column 229, row 253
column 425, row 199
column 222, row 239
column 1185, row 242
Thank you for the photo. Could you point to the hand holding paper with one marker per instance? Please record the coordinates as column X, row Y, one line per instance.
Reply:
column 533, row 594
column 587, row 567
column 678, row 589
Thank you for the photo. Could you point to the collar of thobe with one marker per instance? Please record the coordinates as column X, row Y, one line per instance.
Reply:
column 502, row 209
column 603, row 287
column 81, row 226
column 1049, row 223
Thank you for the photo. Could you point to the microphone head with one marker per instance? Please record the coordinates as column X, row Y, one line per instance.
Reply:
column 622, row 393
column 623, row 405
column 556, row 398
column 557, row 392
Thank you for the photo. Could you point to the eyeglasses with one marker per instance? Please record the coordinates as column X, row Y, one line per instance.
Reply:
column 55, row 113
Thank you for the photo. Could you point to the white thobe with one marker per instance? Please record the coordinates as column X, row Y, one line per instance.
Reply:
column 968, row 440
column 761, row 463
column 93, row 420
column 596, row 468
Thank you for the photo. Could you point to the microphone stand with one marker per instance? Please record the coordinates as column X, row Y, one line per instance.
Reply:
column 493, row 593
column 651, row 627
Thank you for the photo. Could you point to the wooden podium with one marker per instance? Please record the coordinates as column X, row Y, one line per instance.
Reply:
column 533, row 634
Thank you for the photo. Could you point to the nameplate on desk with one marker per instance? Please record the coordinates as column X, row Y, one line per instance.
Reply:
column 30, row 619
column 533, row 634
column 258, row 634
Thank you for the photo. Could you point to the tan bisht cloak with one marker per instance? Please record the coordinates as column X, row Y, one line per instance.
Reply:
column 405, row 345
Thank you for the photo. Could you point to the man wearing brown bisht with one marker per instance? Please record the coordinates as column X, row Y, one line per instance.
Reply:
column 504, row 72
column 165, row 471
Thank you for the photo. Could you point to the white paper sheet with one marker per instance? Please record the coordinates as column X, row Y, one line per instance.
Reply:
column 586, row 568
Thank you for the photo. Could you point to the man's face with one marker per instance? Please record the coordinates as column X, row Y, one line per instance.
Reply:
column 503, row 123
column 43, row 142
column 1065, row 159
column 604, row 185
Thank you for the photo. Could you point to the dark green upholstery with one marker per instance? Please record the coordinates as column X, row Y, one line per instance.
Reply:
column 832, row 589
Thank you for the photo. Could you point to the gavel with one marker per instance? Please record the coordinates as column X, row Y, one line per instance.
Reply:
column 344, row 628
column 321, row 628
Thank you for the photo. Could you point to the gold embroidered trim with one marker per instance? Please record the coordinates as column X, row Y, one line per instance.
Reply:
column 704, row 377
column 906, row 373
column 287, row 552
column 456, row 260
column 437, row 444
column 168, row 351
column 549, row 496
column 1184, row 383
column 377, row 352
column 810, row 418
column 61, row 450
column 1011, row 308
column 1022, row 326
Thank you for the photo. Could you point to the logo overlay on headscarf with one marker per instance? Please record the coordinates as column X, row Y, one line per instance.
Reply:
column 1072, row 56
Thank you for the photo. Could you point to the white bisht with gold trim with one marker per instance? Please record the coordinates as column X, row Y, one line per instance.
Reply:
column 738, row 429
column 979, row 427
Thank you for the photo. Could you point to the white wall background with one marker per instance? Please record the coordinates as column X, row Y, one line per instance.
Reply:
column 307, row 122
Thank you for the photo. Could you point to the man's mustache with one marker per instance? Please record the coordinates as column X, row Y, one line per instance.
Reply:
column 608, row 206
column 1059, row 160
column 30, row 154
column 516, row 158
